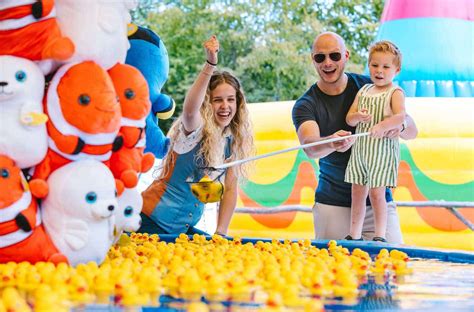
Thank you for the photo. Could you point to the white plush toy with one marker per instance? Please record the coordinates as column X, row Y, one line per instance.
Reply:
column 98, row 29
column 127, row 217
column 23, row 136
column 78, row 212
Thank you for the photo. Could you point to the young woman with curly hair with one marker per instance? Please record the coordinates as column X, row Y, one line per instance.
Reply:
column 214, row 128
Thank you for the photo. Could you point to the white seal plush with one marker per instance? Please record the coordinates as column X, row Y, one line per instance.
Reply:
column 127, row 217
column 23, row 135
column 78, row 212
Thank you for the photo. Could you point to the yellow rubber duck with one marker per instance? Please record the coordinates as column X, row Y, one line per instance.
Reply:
column 207, row 190
column 45, row 298
column 197, row 306
column 12, row 300
column 397, row 254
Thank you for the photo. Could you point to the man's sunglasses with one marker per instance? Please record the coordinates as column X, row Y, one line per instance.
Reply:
column 320, row 57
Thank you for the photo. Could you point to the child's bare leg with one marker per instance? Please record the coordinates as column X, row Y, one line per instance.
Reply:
column 379, row 205
column 359, row 196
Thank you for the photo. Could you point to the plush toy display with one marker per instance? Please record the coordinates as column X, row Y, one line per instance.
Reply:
column 98, row 29
column 78, row 212
column 29, row 29
column 127, row 217
column 65, row 138
column 22, row 236
column 21, row 115
column 84, row 117
column 132, row 91
column 148, row 53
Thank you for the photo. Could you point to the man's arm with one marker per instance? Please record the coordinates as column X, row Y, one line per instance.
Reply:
column 406, row 132
column 411, row 131
column 308, row 132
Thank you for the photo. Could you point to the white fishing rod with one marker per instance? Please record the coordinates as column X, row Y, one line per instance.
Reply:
column 242, row 161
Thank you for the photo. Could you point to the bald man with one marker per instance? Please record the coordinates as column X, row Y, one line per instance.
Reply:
column 320, row 114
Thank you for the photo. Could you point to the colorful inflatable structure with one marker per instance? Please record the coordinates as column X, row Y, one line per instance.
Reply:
column 435, row 37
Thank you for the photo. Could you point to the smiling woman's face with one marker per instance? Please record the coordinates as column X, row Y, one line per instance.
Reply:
column 224, row 104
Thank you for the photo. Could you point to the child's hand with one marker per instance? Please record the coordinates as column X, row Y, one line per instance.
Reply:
column 377, row 131
column 212, row 48
column 363, row 116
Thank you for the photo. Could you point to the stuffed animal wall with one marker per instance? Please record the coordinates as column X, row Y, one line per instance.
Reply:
column 78, row 212
column 132, row 90
column 127, row 217
column 20, row 220
column 28, row 29
column 148, row 53
column 68, row 135
column 84, row 117
column 98, row 29
column 23, row 135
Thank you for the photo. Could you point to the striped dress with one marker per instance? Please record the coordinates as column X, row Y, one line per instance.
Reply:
column 374, row 162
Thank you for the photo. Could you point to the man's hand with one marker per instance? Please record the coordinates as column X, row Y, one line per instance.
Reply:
column 394, row 133
column 212, row 49
column 377, row 131
column 343, row 145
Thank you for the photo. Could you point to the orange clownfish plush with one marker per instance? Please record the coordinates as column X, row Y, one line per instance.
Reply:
column 132, row 90
column 28, row 29
column 84, row 117
column 22, row 236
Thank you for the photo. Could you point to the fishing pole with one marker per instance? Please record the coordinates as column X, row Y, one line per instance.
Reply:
column 326, row 141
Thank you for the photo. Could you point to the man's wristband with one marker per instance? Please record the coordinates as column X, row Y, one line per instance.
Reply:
column 404, row 126
column 212, row 64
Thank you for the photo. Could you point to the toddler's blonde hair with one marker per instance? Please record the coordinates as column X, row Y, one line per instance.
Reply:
column 386, row 46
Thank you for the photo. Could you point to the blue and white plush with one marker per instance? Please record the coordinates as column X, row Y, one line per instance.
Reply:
column 148, row 53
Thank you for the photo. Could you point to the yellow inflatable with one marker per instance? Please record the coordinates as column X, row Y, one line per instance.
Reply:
column 438, row 165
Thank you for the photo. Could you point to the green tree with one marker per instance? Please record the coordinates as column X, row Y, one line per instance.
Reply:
column 266, row 43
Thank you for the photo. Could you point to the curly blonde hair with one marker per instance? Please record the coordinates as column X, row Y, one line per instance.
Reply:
column 386, row 46
column 213, row 137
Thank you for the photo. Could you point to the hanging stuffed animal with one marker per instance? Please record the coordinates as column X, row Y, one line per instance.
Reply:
column 148, row 53
column 23, row 135
column 84, row 117
column 78, row 212
column 127, row 217
column 28, row 29
column 98, row 29
column 22, row 236
column 132, row 90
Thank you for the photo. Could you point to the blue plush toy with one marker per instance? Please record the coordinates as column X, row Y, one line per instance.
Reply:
column 148, row 53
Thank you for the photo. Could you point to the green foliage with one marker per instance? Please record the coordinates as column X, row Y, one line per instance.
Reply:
column 266, row 43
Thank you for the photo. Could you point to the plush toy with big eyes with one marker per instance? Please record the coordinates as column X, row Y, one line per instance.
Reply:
column 29, row 29
column 127, row 217
column 22, row 236
column 84, row 117
column 23, row 135
column 98, row 29
column 149, row 55
column 132, row 90
column 78, row 212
